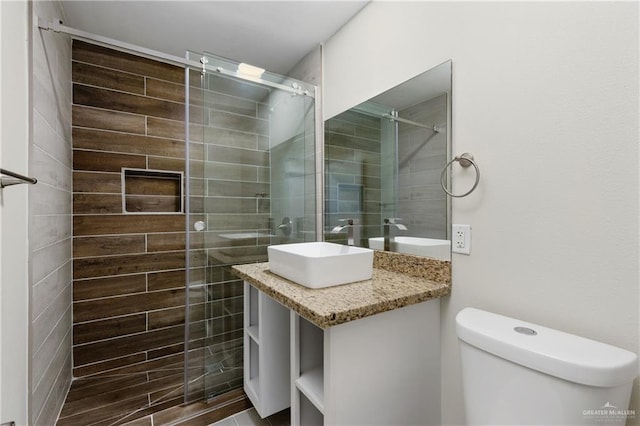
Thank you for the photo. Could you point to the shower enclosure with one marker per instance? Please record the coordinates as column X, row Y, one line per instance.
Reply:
column 250, row 183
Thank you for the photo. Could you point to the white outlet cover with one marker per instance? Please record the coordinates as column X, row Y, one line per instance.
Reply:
column 461, row 239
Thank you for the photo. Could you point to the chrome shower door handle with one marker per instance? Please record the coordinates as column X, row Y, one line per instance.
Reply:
column 199, row 226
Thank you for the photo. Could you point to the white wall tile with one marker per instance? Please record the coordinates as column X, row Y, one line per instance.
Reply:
column 47, row 200
column 48, row 259
column 50, row 217
column 58, row 340
column 48, row 229
column 44, row 324
column 46, row 290
column 45, row 137
column 51, row 392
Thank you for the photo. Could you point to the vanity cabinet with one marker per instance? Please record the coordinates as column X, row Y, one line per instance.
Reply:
column 266, row 352
column 383, row 369
column 365, row 353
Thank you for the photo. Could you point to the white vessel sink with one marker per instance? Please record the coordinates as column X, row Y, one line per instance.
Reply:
column 318, row 265
column 438, row 249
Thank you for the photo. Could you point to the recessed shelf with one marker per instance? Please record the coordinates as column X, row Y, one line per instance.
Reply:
column 254, row 364
column 310, row 370
column 152, row 191
column 350, row 198
column 311, row 384
column 309, row 414
column 253, row 333
column 254, row 304
column 253, row 386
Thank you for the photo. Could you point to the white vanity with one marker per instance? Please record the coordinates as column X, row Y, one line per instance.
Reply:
column 366, row 353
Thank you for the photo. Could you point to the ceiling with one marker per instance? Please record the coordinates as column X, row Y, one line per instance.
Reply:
column 273, row 35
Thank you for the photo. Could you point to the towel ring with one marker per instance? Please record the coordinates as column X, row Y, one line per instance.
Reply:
column 465, row 160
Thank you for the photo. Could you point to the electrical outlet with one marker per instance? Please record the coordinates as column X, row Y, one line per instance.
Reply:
column 461, row 239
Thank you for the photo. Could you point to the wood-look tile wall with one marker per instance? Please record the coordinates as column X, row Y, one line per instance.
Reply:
column 128, row 269
column 353, row 157
column 422, row 202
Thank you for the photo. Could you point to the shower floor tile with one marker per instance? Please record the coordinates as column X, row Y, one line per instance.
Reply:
column 144, row 399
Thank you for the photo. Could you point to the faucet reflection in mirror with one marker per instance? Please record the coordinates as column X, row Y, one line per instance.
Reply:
column 394, row 146
column 391, row 224
column 351, row 228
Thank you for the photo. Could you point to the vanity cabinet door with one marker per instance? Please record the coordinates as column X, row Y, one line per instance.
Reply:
column 266, row 352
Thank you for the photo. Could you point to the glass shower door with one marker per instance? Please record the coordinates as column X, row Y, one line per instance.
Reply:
column 251, row 178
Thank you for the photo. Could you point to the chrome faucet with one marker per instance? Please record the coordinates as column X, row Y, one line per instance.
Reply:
column 350, row 227
column 388, row 224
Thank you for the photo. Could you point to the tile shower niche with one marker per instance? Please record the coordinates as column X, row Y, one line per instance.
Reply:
column 152, row 191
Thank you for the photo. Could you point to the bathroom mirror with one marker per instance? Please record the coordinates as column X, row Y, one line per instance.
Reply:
column 383, row 162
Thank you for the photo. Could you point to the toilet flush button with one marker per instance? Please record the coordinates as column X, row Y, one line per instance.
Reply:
column 525, row 330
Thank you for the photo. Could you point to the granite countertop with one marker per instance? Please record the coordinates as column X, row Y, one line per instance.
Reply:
column 398, row 280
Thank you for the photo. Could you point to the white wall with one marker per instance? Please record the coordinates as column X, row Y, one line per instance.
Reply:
column 545, row 95
column 14, row 136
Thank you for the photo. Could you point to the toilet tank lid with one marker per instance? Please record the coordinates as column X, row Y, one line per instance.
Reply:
column 550, row 351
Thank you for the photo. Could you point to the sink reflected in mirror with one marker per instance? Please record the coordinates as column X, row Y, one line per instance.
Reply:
column 429, row 247
column 320, row 264
column 383, row 160
column 245, row 235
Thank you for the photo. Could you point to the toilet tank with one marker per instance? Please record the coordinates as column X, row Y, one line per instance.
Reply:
column 518, row 373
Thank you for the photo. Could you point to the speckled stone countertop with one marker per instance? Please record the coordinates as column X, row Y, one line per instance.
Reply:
column 398, row 280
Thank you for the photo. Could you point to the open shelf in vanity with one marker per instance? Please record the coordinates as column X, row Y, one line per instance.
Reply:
column 307, row 371
column 266, row 352
column 378, row 370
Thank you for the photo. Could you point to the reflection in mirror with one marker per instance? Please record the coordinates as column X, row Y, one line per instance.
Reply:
column 383, row 160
